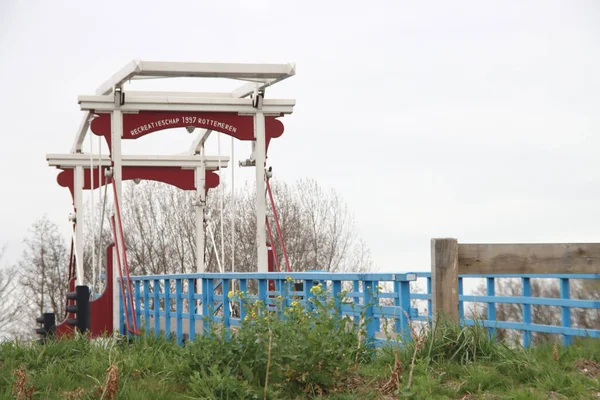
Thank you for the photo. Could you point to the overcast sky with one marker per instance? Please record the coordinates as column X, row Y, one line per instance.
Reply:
column 478, row 120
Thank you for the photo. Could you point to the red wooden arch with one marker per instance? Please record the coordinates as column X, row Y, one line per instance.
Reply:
column 145, row 122
column 181, row 178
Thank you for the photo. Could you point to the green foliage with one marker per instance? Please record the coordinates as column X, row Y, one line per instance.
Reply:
column 306, row 352
column 214, row 383
column 308, row 349
column 453, row 361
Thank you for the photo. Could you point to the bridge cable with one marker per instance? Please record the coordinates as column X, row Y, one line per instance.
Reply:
column 232, row 211
column 279, row 232
column 222, row 197
column 92, row 222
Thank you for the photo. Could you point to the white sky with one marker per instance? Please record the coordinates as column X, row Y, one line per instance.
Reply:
column 468, row 119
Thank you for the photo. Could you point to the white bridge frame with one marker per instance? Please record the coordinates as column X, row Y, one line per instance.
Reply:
column 112, row 98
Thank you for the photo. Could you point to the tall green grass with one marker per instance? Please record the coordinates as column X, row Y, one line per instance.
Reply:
column 303, row 353
column 454, row 361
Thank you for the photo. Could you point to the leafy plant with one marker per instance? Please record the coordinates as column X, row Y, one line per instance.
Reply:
column 308, row 348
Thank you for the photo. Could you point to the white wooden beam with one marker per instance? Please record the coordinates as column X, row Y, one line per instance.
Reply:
column 81, row 132
column 199, row 141
column 138, row 68
column 119, row 77
column 167, row 103
column 248, row 88
column 147, row 93
column 183, row 161
column 241, row 92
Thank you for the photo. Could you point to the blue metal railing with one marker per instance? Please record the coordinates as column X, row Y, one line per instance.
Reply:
column 526, row 300
column 174, row 303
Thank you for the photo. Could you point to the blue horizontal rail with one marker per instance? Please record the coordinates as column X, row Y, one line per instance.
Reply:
column 531, row 276
column 336, row 276
column 526, row 300
column 181, row 304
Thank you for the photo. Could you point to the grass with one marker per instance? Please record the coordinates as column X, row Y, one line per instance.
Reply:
column 151, row 368
column 306, row 354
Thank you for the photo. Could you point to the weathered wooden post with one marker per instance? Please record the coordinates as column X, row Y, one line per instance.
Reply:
column 444, row 279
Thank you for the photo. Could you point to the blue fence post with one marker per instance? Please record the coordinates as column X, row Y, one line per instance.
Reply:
column 179, row 310
column 375, row 300
column 429, row 305
column 208, row 304
column 279, row 287
column 286, row 288
column 491, row 309
column 138, row 303
column 262, row 291
column 156, row 307
column 204, row 298
column 461, row 304
column 167, row 297
column 192, row 307
column 336, row 291
column 526, row 292
column 368, row 289
column 356, row 299
column 565, row 294
column 308, row 284
column 402, row 300
column 147, row 305
column 244, row 290
column 226, row 313
column 122, row 312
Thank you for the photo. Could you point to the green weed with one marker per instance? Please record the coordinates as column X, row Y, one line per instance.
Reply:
column 299, row 352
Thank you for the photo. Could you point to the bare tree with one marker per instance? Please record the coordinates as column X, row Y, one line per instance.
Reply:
column 317, row 227
column 11, row 306
column 44, row 267
column 159, row 228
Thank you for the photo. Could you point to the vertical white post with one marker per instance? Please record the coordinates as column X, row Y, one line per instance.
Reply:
column 100, row 249
column 78, row 203
column 222, row 192
column 200, row 209
column 93, row 221
column 232, row 211
column 117, row 130
column 200, row 180
column 261, row 234
column 116, row 133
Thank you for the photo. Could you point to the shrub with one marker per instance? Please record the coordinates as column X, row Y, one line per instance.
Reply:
column 298, row 348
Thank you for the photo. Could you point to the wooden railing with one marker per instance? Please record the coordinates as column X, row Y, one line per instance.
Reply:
column 452, row 262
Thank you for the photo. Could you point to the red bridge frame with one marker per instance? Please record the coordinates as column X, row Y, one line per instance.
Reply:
column 117, row 115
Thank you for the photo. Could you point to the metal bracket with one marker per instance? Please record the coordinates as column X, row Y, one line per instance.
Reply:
column 199, row 202
column 257, row 98
column 119, row 97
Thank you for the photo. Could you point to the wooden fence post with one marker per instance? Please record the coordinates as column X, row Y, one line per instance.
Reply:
column 444, row 279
